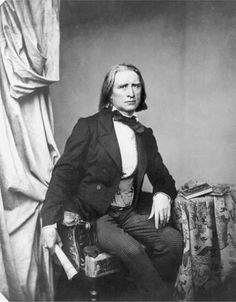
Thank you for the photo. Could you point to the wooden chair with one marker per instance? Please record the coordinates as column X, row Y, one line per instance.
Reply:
column 79, row 246
column 87, row 259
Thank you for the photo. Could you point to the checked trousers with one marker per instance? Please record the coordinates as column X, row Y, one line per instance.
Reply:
column 126, row 233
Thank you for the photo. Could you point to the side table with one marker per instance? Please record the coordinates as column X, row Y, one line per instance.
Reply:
column 208, row 225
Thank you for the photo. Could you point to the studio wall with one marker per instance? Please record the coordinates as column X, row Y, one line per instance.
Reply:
column 187, row 54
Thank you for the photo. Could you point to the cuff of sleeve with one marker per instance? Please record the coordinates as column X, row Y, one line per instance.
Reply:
column 158, row 193
column 54, row 226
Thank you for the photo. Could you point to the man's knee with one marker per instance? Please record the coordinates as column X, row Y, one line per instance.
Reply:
column 170, row 242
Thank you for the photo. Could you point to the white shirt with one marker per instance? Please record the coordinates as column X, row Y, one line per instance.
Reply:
column 128, row 148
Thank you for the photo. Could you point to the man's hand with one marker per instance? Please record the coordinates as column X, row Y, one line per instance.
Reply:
column 50, row 238
column 161, row 206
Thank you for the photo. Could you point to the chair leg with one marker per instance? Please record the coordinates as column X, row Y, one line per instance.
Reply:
column 93, row 291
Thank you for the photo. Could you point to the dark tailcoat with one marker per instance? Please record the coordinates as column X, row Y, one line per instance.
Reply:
column 87, row 175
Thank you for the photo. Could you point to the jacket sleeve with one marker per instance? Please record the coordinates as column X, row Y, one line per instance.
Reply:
column 65, row 175
column 157, row 172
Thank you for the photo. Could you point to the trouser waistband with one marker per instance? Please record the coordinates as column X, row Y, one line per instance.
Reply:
column 119, row 209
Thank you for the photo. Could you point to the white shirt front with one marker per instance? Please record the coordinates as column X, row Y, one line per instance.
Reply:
column 128, row 148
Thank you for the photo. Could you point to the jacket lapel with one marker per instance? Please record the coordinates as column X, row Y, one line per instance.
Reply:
column 142, row 158
column 107, row 137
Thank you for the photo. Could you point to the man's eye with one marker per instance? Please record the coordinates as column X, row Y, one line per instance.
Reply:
column 137, row 85
column 123, row 86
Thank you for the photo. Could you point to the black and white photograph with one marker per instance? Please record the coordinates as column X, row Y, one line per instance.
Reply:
column 117, row 150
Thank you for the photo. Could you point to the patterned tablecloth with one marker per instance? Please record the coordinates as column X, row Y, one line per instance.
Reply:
column 208, row 225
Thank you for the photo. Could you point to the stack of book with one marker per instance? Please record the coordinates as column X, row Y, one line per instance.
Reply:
column 220, row 190
column 197, row 190
column 203, row 189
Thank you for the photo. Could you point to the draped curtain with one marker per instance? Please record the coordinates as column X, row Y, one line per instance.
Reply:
column 29, row 63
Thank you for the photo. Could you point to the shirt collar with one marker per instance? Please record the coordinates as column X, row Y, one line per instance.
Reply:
column 134, row 114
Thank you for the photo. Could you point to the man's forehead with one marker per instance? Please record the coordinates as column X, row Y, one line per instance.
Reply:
column 126, row 76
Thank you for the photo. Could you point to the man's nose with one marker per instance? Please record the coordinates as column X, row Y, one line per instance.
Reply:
column 130, row 91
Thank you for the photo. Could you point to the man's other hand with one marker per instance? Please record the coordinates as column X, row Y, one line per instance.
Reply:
column 161, row 209
column 50, row 238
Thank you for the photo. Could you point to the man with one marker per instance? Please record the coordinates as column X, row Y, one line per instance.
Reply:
column 100, row 175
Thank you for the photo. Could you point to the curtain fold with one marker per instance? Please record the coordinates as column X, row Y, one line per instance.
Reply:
column 29, row 62
column 30, row 46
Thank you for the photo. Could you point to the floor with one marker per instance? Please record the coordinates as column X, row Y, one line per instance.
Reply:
column 118, row 287
column 110, row 288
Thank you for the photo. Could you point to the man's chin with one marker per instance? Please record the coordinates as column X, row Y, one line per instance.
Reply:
column 131, row 108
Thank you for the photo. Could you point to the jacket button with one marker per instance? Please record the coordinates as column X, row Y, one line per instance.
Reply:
column 99, row 187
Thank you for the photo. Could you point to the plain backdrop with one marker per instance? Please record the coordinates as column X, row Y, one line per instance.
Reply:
column 186, row 51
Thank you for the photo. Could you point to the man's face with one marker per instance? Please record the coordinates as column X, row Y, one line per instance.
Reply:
column 126, row 93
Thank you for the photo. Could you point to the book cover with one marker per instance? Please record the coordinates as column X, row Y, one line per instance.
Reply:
column 197, row 190
column 219, row 190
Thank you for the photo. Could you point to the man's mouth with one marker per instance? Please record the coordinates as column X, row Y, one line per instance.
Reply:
column 131, row 102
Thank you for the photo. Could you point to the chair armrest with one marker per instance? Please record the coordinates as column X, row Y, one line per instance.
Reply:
column 77, row 239
column 74, row 239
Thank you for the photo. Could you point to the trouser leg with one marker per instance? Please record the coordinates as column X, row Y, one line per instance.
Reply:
column 164, row 245
column 113, row 239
